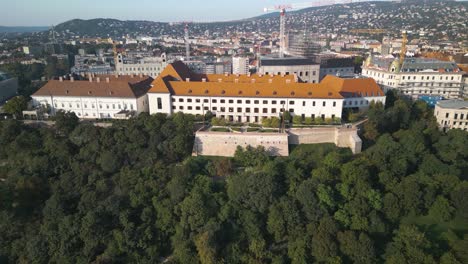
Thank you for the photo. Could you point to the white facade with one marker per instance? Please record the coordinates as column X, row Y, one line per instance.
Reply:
column 452, row 114
column 93, row 107
column 240, row 65
column 246, row 109
column 148, row 66
column 432, row 78
column 447, row 85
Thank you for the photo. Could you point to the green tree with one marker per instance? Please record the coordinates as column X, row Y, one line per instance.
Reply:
column 66, row 122
column 16, row 105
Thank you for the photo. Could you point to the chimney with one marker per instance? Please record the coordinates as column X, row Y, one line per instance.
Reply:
column 203, row 79
column 288, row 80
column 60, row 79
column 90, row 78
column 140, row 75
column 248, row 74
column 226, row 74
column 72, row 79
column 107, row 80
column 187, row 79
column 220, row 80
column 98, row 79
column 131, row 76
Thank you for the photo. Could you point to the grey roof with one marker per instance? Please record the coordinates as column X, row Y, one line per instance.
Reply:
column 453, row 104
column 288, row 61
column 420, row 64
column 337, row 63
column 383, row 63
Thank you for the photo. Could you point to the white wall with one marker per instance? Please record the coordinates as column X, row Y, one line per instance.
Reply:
column 242, row 110
column 90, row 107
column 166, row 105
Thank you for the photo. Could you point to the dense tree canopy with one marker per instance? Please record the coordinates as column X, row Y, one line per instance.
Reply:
column 132, row 193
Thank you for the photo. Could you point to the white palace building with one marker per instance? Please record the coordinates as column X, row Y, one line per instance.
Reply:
column 106, row 96
column 416, row 77
column 250, row 98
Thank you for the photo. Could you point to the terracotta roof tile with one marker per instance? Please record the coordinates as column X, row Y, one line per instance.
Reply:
column 172, row 81
column 122, row 86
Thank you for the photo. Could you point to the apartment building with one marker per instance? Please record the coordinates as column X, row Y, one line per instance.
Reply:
column 452, row 114
column 240, row 65
column 416, row 76
column 136, row 65
column 306, row 69
column 250, row 98
column 106, row 96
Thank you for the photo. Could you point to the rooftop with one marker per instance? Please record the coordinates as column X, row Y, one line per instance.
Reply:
column 287, row 61
column 100, row 86
column 178, row 80
column 453, row 104
column 420, row 64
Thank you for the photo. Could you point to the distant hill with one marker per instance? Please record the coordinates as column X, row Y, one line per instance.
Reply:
column 438, row 19
column 22, row 29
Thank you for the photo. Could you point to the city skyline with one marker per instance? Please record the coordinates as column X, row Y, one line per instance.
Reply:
column 50, row 12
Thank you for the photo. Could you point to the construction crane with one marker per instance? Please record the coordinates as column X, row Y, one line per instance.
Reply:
column 403, row 47
column 187, row 43
column 282, row 10
column 186, row 36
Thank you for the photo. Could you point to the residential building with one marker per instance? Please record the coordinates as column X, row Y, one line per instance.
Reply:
column 306, row 69
column 240, row 65
column 341, row 67
column 416, row 76
column 136, row 65
column 452, row 114
column 106, row 96
column 8, row 87
column 250, row 98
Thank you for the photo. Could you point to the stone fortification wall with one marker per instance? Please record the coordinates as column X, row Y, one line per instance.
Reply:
column 225, row 144
column 340, row 136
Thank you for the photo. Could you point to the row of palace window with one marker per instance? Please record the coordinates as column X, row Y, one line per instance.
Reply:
column 119, row 106
column 462, row 116
column 427, row 84
column 141, row 69
column 362, row 102
column 223, row 101
column 256, row 119
column 428, row 78
column 231, row 109
column 410, row 91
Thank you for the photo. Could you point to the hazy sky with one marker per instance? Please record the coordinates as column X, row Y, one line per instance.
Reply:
column 48, row 12
column 52, row 12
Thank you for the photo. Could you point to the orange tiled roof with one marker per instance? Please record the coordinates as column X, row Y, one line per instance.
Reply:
column 173, row 80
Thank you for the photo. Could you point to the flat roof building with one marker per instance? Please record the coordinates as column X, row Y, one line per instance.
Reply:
column 306, row 69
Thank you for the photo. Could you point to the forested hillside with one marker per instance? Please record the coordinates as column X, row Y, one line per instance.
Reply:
column 133, row 194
